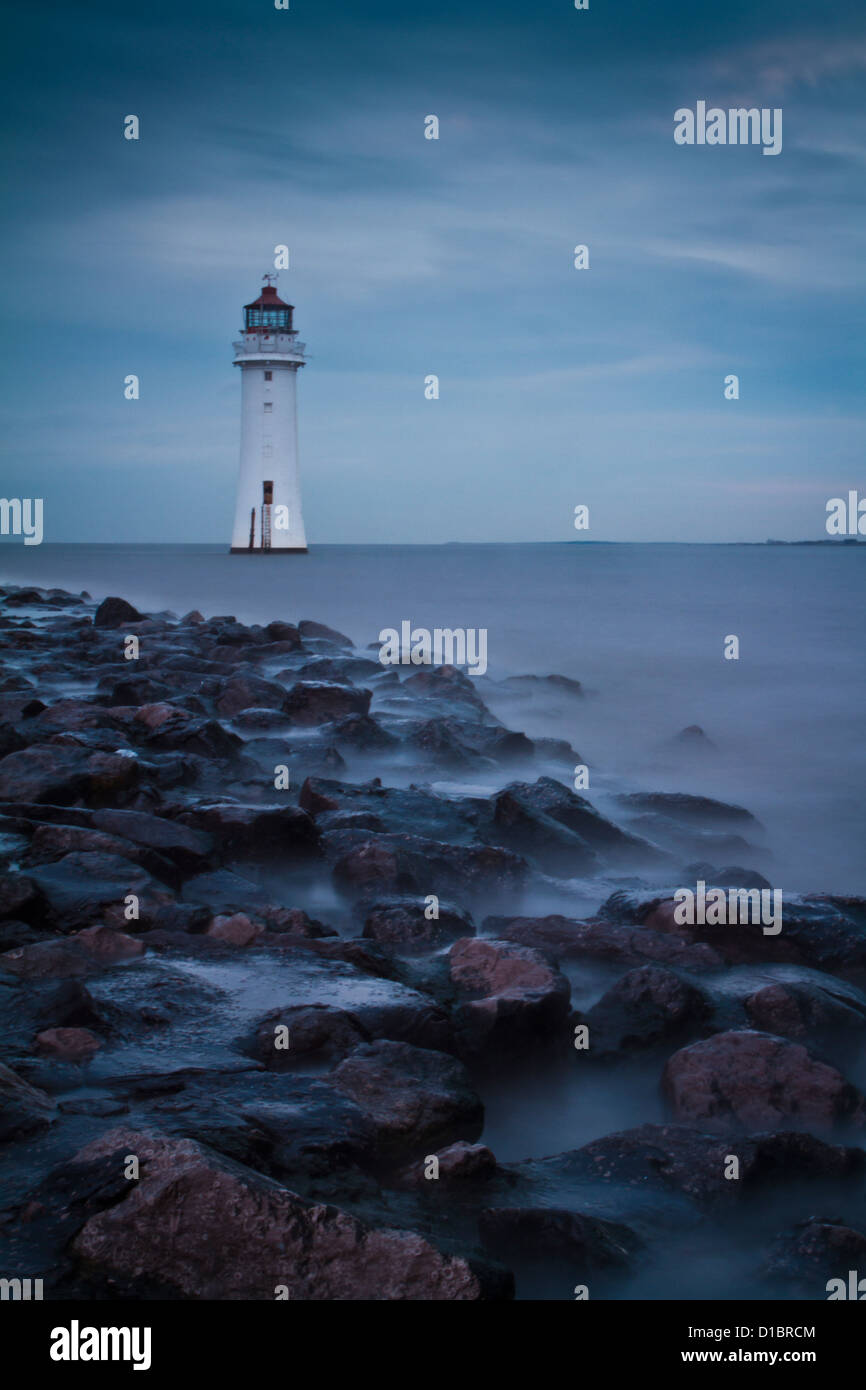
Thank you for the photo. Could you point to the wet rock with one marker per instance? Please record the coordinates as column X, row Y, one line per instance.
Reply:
column 814, row 1252
column 522, row 997
column 362, row 731
column 694, row 1162
column 23, row 1109
column 525, row 809
column 322, row 702
column 530, row 685
column 115, row 612
column 320, row 632
column 284, row 632
column 244, row 692
column 458, row 1163
column 569, row 939
column 680, row 806
column 21, row 899
column 808, row 1010
column 408, row 864
column 755, row 1080
column 293, row 922
column 555, row 848
column 444, row 683
column 68, row 1044
column 645, row 1006
column 79, row 885
column 189, row 1202
column 189, row 848
column 50, row 772
column 416, row 1098
column 254, row 830
column 314, row 1031
column 404, row 922
column 236, row 930
column 588, row 1243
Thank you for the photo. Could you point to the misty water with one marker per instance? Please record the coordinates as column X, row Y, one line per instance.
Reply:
column 641, row 626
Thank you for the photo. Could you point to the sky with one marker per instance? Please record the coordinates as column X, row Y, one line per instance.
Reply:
column 601, row 387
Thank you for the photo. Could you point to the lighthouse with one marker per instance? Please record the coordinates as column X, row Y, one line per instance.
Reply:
column 268, row 518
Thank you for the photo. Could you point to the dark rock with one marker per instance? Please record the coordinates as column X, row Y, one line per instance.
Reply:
column 115, row 612
column 417, row 1099
column 23, row 1109
column 521, row 999
column 403, row 922
column 321, row 633
column 645, row 1006
column 321, row 702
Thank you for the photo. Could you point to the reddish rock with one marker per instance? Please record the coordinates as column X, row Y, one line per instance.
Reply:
column 235, row 930
column 68, row 1044
column 108, row 944
column 524, row 997
column 190, row 1204
column 320, row 702
column 460, row 1162
column 758, row 1081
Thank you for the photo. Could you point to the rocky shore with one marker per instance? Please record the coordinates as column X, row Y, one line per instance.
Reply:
column 281, row 928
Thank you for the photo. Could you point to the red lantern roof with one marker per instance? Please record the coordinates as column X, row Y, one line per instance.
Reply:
column 268, row 299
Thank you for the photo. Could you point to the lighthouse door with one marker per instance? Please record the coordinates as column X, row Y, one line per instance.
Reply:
column 267, row 500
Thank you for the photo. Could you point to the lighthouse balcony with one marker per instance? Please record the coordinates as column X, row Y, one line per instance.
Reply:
column 273, row 346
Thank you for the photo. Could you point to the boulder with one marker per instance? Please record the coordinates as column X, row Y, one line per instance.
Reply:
column 522, row 997
column 754, row 1080
column 321, row 702
column 405, row 923
column 189, row 1203
column 116, row 612
column 417, row 1099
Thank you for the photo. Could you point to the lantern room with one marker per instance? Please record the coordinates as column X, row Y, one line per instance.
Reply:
column 268, row 313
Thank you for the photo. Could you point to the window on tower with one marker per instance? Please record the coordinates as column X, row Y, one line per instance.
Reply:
column 269, row 405
column 269, row 376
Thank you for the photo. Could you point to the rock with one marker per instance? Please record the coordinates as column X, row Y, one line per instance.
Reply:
column 459, row 1163
column 569, row 939
column 530, row 807
column 254, row 831
column 318, row 1031
column 756, row 1080
column 24, row 1110
column 812, row 1010
column 21, row 899
column 68, row 1044
column 322, row 702
column 236, row 930
column 245, row 692
column 187, row 847
column 403, row 922
column 115, row 612
column 62, row 774
column 813, row 1253
column 417, row 1099
column 319, row 632
column 408, row 864
column 107, row 944
column 529, row 685
column 79, row 885
column 188, row 1203
column 284, row 632
column 680, row 806
column 694, row 1162
column 588, row 1243
column 291, row 921
column 523, row 998
column 645, row 1006
column 555, row 848
column 446, row 683
column 362, row 731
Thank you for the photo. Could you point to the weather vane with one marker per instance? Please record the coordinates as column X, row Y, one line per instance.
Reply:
column 270, row 278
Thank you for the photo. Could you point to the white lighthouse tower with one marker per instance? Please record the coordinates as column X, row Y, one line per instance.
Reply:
column 268, row 518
